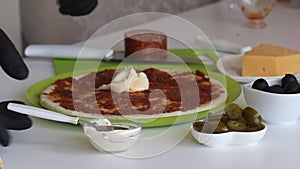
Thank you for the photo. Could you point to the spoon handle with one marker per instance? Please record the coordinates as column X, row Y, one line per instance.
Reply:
column 42, row 113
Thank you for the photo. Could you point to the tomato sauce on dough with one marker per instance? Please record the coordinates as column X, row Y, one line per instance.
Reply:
column 167, row 93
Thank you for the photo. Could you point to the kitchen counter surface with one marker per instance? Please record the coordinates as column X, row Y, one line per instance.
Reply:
column 51, row 145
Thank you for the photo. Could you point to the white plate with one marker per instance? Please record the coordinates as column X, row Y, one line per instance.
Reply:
column 231, row 65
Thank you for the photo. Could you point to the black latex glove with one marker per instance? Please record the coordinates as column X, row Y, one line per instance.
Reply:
column 76, row 7
column 10, row 59
column 10, row 120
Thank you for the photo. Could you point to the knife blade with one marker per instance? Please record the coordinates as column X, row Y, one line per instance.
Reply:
column 120, row 57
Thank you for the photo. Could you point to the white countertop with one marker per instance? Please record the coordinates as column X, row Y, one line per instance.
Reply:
column 51, row 145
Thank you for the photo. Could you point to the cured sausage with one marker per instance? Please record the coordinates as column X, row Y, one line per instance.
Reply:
column 145, row 44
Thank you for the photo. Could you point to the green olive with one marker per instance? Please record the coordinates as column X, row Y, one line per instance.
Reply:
column 254, row 128
column 224, row 118
column 236, row 125
column 198, row 126
column 243, row 120
column 217, row 126
column 210, row 127
column 252, row 116
column 234, row 112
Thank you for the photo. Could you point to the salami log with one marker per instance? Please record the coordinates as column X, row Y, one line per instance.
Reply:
column 146, row 45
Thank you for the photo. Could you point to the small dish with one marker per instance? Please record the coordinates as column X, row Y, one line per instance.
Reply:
column 274, row 108
column 228, row 138
column 116, row 140
column 231, row 65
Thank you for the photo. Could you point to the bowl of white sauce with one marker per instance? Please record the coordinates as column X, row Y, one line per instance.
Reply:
column 123, row 134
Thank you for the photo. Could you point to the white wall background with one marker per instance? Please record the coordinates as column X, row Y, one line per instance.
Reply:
column 10, row 21
column 42, row 23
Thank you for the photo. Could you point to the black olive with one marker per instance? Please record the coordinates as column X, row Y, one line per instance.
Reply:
column 298, row 90
column 275, row 89
column 288, row 78
column 292, row 87
column 260, row 84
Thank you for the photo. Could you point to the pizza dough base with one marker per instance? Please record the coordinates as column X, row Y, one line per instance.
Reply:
column 46, row 102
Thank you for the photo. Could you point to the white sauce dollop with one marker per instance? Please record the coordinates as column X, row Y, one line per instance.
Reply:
column 128, row 80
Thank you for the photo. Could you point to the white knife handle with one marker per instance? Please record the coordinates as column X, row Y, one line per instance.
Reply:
column 225, row 45
column 66, row 51
column 42, row 113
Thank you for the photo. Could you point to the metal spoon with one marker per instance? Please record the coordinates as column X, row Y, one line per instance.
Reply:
column 51, row 115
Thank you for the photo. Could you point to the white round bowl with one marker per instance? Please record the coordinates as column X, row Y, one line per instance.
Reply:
column 115, row 140
column 274, row 108
column 228, row 138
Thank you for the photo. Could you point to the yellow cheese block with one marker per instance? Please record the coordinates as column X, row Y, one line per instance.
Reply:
column 270, row 60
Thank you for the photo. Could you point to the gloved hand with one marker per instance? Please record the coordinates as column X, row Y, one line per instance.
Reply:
column 10, row 59
column 14, row 66
column 76, row 7
column 10, row 120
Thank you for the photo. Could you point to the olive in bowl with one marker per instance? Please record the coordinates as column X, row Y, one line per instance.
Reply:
column 288, row 85
column 236, row 127
column 275, row 105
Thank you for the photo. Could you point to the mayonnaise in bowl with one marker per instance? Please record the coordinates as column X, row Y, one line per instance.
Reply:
column 121, row 138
